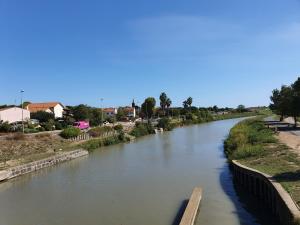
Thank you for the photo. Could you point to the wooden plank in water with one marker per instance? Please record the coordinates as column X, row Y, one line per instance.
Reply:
column 192, row 208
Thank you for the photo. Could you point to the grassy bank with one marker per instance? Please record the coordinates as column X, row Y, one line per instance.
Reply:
column 255, row 146
column 239, row 115
column 96, row 143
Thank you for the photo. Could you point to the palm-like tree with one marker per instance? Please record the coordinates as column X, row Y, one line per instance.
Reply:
column 163, row 101
column 168, row 104
column 189, row 101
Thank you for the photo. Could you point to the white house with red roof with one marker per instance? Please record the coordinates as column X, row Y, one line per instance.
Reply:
column 51, row 107
column 110, row 111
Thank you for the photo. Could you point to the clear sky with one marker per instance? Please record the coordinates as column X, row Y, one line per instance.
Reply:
column 79, row 51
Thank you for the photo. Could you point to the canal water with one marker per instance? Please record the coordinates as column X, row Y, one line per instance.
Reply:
column 146, row 182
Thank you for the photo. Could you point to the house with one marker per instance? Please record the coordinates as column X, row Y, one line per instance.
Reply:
column 130, row 112
column 14, row 114
column 110, row 111
column 51, row 107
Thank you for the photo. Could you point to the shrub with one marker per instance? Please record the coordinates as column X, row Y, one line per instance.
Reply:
column 70, row 132
column 111, row 141
column 100, row 131
column 58, row 125
column 165, row 123
column 248, row 151
column 142, row 129
column 118, row 127
column 92, row 144
column 5, row 127
column 41, row 129
column 49, row 126
column 30, row 130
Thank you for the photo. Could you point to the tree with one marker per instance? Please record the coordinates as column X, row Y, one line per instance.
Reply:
column 276, row 100
column 241, row 108
column 185, row 104
column 189, row 101
column 81, row 112
column 169, row 103
column 215, row 108
column 163, row 102
column 42, row 116
column 295, row 109
column 95, row 116
column 148, row 107
column 120, row 114
column 283, row 101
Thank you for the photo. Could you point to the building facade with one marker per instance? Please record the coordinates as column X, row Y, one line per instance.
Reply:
column 14, row 114
column 51, row 107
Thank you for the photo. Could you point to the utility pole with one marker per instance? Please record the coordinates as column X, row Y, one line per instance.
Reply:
column 22, row 91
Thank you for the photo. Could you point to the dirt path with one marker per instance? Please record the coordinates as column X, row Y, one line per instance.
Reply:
column 291, row 140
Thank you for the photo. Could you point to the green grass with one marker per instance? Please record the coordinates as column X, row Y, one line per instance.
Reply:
column 255, row 146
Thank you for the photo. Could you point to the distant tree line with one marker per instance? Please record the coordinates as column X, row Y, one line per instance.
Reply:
column 187, row 112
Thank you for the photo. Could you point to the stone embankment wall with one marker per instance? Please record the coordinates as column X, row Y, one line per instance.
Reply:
column 269, row 192
column 40, row 164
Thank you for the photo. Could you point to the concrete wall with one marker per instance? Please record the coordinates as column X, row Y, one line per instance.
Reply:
column 40, row 164
column 192, row 208
column 14, row 114
column 269, row 192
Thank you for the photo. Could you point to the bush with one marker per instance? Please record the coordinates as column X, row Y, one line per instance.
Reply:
column 100, row 131
column 248, row 151
column 118, row 128
column 70, row 132
column 165, row 123
column 41, row 129
column 48, row 126
column 30, row 130
column 93, row 144
column 58, row 125
column 5, row 127
column 111, row 141
column 142, row 129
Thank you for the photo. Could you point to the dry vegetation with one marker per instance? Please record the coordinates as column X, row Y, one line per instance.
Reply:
column 18, row 148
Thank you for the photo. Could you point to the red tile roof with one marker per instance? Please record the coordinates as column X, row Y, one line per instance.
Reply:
column 35, row 107
column 109, row 110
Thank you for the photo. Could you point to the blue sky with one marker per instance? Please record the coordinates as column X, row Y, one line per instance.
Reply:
column 219, row 52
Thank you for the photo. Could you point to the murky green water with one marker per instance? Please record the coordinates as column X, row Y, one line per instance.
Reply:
column 140, row 183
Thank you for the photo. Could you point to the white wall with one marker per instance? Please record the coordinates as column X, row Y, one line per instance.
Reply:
column 12, row 115
column 58, row 111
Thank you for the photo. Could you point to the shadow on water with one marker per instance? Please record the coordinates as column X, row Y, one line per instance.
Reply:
column 248, row 209
column 180, row 212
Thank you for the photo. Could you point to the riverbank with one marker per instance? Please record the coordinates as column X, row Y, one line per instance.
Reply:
column 253, row 145
column 18, row 149
column 40, row 164
column 101, row 185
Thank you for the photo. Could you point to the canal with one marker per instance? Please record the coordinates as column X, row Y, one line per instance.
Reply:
column 146, row 182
